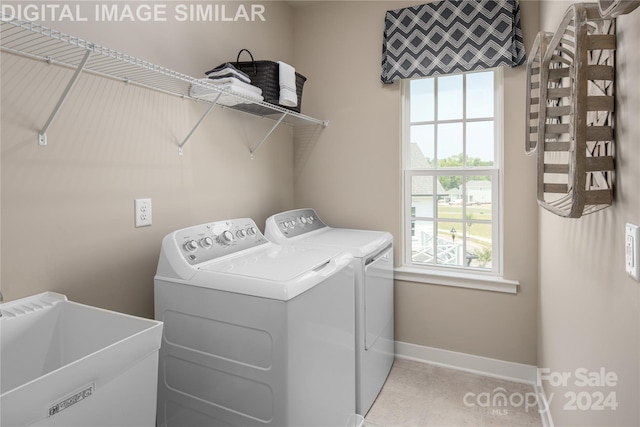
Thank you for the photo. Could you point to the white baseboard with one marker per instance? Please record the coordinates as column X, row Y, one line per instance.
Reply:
column 486, row 366
column 517, row 372
column 543, row 402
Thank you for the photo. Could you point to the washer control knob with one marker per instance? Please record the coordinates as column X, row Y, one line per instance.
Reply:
column 310, row 219
column 206, row 242
column 241, row 234
column 251, row 231
column 225, row 238
column 302, row 220
column 191, row 246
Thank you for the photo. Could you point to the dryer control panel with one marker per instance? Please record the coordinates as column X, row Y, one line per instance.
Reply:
column 297, row 222
column 205, row 242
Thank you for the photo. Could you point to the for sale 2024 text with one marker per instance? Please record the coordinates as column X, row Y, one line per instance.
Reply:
column 596, row 388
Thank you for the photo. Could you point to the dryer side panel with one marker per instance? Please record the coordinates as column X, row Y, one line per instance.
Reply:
column 322, row 353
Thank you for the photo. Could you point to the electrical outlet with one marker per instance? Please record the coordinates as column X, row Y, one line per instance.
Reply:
column 143, row 212
column 631, row 254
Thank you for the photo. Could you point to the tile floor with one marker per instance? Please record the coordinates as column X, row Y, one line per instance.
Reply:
column 423, row 395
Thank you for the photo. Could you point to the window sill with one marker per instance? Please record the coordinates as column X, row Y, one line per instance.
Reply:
column 457, row 279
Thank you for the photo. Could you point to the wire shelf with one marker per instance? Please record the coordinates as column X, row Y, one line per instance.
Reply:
column 37, row 42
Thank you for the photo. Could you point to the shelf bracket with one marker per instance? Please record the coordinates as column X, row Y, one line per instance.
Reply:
column 206, row 113
column 254, row 149
column 42, row 135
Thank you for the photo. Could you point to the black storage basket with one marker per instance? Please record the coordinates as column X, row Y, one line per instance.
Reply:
column 266, row 76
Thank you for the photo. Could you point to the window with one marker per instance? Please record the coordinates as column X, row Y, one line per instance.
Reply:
column 451, row 162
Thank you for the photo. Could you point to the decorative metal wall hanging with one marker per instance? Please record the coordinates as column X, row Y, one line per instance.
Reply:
column 574, row 134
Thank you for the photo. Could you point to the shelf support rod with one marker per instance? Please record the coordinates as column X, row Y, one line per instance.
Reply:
column 254, row 149
column 206, row 113
column 42, row 135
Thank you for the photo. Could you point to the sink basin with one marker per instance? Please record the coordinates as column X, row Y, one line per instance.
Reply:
column 67, row 364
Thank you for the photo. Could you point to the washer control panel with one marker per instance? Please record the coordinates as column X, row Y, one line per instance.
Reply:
column 205, row 242
column 297, row 222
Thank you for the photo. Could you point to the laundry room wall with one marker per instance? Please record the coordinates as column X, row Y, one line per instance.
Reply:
column 352, row 176
column 68, row 208
column 589, row 321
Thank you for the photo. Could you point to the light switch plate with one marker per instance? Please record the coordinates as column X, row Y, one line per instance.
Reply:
column 631, row 253
column 143, row 212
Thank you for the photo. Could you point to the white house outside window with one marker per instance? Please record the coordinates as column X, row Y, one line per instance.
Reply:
column 451, row 161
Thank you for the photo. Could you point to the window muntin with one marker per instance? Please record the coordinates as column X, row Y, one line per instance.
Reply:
column 452, row 171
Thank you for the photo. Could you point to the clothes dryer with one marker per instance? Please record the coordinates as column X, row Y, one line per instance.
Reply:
column 373, row 252
column 255, row 334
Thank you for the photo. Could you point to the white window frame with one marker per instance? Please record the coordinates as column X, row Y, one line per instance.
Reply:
column 460, row 276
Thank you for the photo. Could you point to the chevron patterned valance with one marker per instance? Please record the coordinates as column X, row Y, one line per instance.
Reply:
column 451, row 36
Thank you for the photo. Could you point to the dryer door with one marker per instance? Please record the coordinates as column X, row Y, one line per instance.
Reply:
column 378, row 297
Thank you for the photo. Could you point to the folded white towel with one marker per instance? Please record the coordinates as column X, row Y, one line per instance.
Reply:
column 235, row 86
column 288, row 95
column 226, row 83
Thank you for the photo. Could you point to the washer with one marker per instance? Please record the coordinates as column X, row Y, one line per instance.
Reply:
column 373, row 252
column 255, row 333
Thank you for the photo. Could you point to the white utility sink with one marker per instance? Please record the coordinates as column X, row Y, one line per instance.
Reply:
column 69, row 364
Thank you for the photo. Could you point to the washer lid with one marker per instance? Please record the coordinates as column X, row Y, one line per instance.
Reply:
column 273, row 263
column 359, row 243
